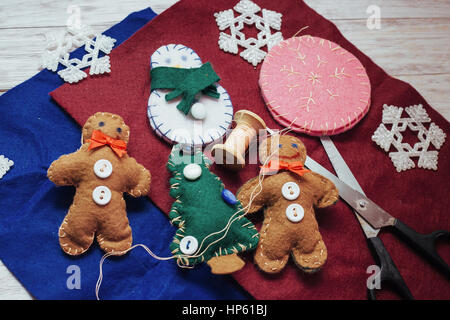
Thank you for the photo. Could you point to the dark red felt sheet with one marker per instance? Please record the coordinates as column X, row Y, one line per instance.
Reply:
column 419, row 197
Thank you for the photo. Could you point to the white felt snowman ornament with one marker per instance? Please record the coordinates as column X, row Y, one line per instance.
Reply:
column 208, row 119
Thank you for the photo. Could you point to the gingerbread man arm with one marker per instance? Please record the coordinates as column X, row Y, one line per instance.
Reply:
column 246, row 191
column 326, row 192
column 140, row 178
column 67, row 170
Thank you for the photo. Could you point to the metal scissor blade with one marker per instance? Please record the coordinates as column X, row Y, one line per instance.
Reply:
column 345, row 174
column 340, row 166
column 365, row 207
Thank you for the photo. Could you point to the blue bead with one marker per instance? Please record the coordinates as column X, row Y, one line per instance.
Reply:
column 229, row 197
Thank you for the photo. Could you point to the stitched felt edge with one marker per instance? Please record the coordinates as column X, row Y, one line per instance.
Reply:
column 176, row 218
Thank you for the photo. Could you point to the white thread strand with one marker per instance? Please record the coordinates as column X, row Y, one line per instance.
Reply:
column 119, row 253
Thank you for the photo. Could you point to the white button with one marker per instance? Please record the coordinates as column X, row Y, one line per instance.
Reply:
column 192, row 171
column 290, row 190
column 198, row 111
column 188, row 245
column 101, row 195
column 103, row 168
column 295, row 212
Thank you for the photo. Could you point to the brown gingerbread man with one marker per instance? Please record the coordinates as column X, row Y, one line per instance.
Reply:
column 289, row 194
column 101, row 171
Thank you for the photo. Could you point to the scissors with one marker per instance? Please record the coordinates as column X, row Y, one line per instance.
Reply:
column 373, row 218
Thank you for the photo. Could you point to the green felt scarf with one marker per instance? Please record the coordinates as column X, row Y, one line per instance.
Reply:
column 186, row 82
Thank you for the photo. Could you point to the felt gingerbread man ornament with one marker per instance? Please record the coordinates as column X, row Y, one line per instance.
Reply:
column 101, row 170
column 289, row 194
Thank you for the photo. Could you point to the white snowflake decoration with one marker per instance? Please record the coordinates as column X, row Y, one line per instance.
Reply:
column 5, row 164
column 248, row 10
column 428, row 159
column 59, row 47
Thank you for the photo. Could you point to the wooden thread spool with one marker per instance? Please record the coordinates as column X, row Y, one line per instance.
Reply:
column 232, row 154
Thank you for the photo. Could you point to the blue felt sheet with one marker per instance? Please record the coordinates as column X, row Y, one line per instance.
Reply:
column 35, row 131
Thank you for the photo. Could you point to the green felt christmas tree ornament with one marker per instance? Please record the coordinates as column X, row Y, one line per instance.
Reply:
column 186, row 82
column 210, row 220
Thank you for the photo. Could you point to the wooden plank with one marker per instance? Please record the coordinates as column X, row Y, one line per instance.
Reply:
column 51, row 13
column 21, row 51
column 356, row 9
column 33, row 13
column 403, row 46
column 10, row 288
column 434, row 88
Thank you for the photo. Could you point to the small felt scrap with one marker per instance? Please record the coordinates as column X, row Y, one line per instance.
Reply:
column 314, row 86
column 288, row 196
column 210, row 220
column 101, row 170
column 205, row 112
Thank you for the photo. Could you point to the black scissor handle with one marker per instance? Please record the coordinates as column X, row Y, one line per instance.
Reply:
column 389, row 273
column 425, row 244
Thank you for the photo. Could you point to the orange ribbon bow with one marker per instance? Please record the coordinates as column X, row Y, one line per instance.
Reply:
column 296, row 167
column 99, row 139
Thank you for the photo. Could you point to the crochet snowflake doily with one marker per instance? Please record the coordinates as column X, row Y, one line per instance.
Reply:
column 5, row 164
column 248, row 10
column 392, row 115
column 60, row 45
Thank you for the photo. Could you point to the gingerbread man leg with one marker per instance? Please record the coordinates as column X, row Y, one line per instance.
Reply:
column 76, row 232
column 310, row 258
column 114, row 232
column 271, row 255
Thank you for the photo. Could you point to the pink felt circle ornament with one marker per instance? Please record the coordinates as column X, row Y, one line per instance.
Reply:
column 314, row 86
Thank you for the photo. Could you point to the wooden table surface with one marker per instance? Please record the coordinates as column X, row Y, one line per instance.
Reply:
column 412, row 44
